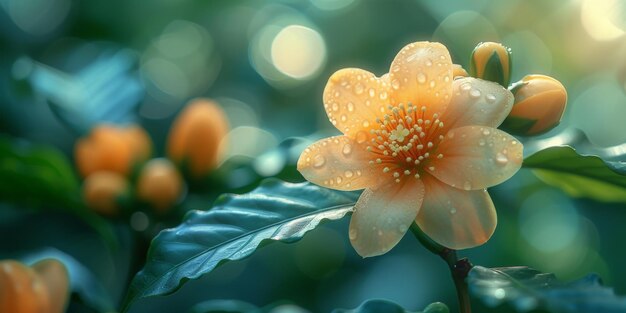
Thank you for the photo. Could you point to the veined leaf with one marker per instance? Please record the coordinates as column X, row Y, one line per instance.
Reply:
column 384, row 306
column 233, row 230
column 526, row 289
column 580, row 175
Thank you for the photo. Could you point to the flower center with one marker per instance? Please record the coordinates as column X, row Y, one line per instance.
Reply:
column 405, row 140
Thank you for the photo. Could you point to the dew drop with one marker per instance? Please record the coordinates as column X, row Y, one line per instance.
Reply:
column 402, row 229
column 490, row 98
column 466, row 86
column 344, row 118
column 395, row 84
column 359, row 88
column 339, row 179
column 318, row 161
column 446, row 78
column 337, row 94
column 467, row 185
column 421, row 78
column 380, row 232
column 486, row 132
column 350, row 106
column 475, row 93
column 501, row 159
column 366, row 123
column 481, row 142
column 432, row 84
column 453, row 211
column 372, row 92
column 396, row 68
column 383, row 95
column 348, row 174
column 347, row 149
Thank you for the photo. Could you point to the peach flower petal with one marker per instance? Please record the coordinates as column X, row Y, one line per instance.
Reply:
column 476, row 157
column 338, row 163
column 354, row 99
column 421, row 74
column 477, row 102
column 455, row 218
column 383, row 215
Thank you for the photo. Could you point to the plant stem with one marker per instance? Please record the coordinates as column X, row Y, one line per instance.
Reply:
column 458, row 268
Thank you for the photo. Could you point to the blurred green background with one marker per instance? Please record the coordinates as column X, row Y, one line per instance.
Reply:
column 67, row 65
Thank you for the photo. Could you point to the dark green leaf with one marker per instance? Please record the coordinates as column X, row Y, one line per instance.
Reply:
column 526, row 289
column 42, row 178
column 578, row 167
column 233, row 230
column 82, row 281
column 384, row 306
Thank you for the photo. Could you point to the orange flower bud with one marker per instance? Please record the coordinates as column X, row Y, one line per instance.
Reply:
column 194, row 139
column 55, row 277
column 101, row 191
column 491, row 61
column 160, row 184
column 112, row 148
column 22, row 290
column 539, row 105
column 458, row 71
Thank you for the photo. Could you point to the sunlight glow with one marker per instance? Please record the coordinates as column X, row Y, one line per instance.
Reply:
column 298, row 51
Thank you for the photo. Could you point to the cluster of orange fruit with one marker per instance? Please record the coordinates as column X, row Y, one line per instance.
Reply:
column 116, row 162
column 41, row 288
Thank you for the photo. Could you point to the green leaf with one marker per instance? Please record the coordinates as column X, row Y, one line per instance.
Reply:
column 580, row 175
column 384, row 306
column 233, row 230
column 41, row 177
column 526, row 289
column 83, row 282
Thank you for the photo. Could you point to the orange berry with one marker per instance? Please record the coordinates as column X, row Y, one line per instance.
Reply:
column 101, row 191
column 56, row 279
column 195, row 137
column 112, row 148
column 160, row 184
column 22, row 290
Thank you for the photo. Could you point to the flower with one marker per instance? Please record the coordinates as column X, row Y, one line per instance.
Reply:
column 491, row 61
column 435, row 174
column 539, row 105
column 195, row 138
column 112, row 148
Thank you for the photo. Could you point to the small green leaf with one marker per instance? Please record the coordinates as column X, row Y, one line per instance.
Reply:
column 384, row 306
column 83, row 283
column 526, row 289
column 580, row 175
column 233, row 230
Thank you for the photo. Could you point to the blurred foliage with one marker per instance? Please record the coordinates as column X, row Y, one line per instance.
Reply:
column 527, row 290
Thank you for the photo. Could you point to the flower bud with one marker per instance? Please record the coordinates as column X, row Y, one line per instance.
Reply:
column 159, row 184
column 55, row 277
column 102, row 191
column 458, row 71
column 195, row 137
column 112, row 148
column 22, row 290
column 539, row 105
column 491, row 61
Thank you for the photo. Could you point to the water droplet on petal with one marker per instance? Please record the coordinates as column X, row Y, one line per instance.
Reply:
column 366, row 123
column 475, row 93
column 380, row 232
column 490, row 98
column 350, row 106
column 402, row 229
column 395, row 84
column 421, row 78
column 466, row 86
column 453, row 211
column 372, row 92
column 348, row 174
column 335, row 107
column 358, row 88
column 481, row 142
column 344, row 118
column 361, row 136
column 339, row 179
column 347, row 149
column 486, row 132
column 318, row 161
column 383, row 95
column 501, row 159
